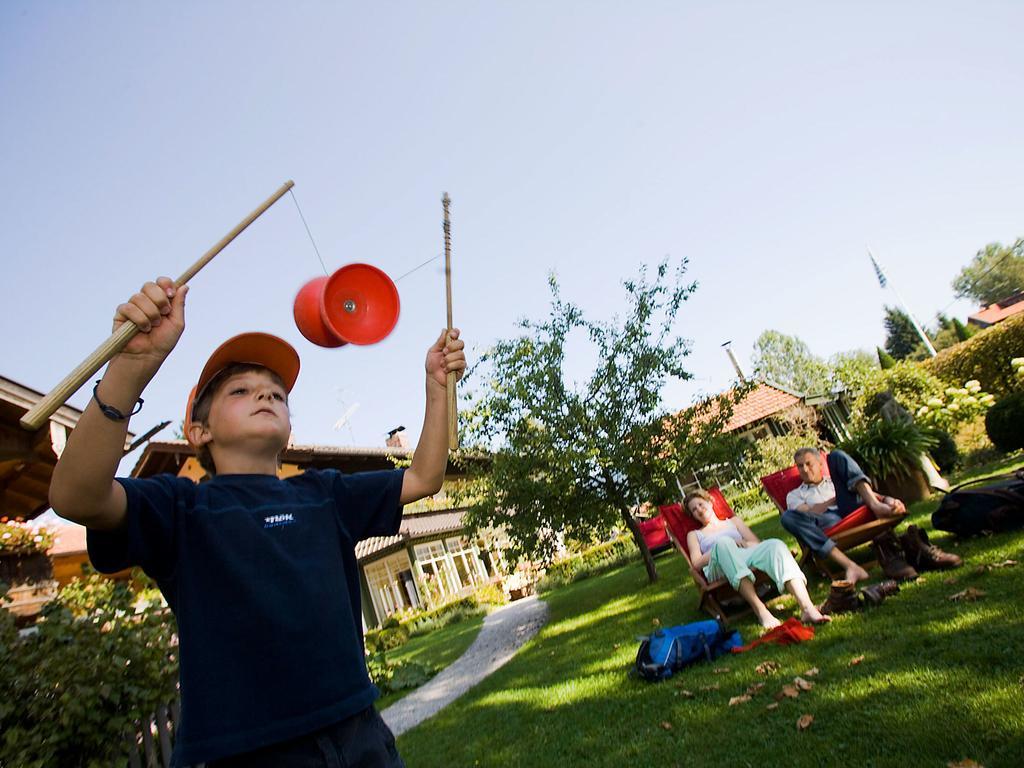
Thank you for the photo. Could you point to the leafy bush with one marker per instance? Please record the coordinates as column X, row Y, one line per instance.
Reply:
column 946, row 453
column 910, row 383
column 1005, row 423
column 422, row 622
column 885, row 448
column 752, row 500
column 390, row 636
column 73, row 688
column 391, row 676
column 984, row 357
column 955, row 406
column 770, row 454
column 20, row 538
column 589, row 562
column 490, row 594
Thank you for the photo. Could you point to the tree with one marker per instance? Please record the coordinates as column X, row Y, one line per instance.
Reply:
column 788, row 361
column 851, row 370
column 995, row 272
column 885, row 360
column 945, row 333
column 569, row 461
column 901, row 339
column 963, row 332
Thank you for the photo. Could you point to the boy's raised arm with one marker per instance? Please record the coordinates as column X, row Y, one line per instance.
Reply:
column 82, row 488
column 426, row 474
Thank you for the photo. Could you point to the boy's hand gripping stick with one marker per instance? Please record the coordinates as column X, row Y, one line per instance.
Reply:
column 45, row 408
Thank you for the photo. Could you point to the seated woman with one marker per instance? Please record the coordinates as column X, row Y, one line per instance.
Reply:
column 729, row 549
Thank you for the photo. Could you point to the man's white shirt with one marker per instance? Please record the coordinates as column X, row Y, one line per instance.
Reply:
column 812, row 494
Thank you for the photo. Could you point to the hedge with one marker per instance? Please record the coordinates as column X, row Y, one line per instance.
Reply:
column 588, row 562
column 441, row 616
column 985, row 356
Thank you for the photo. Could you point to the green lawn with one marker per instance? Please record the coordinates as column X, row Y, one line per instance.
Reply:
column 940, row 681
column 435, row 650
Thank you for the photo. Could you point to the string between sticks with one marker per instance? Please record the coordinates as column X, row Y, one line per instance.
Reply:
column 317, row 250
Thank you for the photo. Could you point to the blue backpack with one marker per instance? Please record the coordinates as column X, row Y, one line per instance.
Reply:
column 668, row 650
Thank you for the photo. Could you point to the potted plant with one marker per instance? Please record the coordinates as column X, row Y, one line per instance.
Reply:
column 25, row 566
column 890, row 452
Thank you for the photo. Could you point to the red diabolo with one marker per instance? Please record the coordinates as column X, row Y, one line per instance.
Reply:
column 358, row 304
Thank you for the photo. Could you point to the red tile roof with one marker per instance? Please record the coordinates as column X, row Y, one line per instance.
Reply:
column 998, row 311
column 763, row 401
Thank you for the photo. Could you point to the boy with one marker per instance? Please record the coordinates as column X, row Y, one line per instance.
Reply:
column 261, row 573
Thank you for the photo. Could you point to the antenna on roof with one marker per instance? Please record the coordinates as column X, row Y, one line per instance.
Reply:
column 735, row 362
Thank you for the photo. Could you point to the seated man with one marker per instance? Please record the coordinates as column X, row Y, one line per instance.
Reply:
column 820, row 502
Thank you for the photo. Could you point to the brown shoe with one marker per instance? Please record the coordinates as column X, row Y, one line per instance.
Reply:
column 924, row 555
column 842, row 598
column 876, row 593
column 890, row 557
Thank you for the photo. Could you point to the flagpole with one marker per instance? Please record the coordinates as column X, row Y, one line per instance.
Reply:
column 884, row 282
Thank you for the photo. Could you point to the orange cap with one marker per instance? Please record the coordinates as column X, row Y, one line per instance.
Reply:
column 256, row 348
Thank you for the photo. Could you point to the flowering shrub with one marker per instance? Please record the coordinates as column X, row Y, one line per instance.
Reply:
column 983, row 357
column 955, row 406
column 99, row 660
column 20, row 538
column 1017, row 364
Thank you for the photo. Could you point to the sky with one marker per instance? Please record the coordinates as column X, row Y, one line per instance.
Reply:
column 768, row 144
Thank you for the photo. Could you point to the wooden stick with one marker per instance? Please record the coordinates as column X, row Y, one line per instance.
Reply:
column 38, row 414
column 453, row 413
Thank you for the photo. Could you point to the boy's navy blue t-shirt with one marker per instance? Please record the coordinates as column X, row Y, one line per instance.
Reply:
column 262, row 577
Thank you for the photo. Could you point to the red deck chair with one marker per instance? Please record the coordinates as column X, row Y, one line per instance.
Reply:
column 718, row 597
column 859, row 527
column 655, row 535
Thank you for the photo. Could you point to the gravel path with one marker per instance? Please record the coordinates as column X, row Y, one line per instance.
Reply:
column 503, row 632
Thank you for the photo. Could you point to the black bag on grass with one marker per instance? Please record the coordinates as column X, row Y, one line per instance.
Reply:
column 995, row 507
column 665, row 652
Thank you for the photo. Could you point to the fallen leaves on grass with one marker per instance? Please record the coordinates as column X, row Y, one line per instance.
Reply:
column 1005, row 564
column 788, row 691
column 856, row 660
column 720, row 670
column 970, row 594
column 965, row 764
column 666, row 725
column 803, row 685
column 685, row 693
column 949, row 582
column 804, row 722
column 742, row 699
column 812, row 672
column 755, row 689
column 712, row 687
column 767, row 667
column 773, row 705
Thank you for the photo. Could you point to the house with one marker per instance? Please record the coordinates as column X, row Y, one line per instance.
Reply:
column 430, row 560
column 762, row 413
column 998, row 311
column 768, row 410
column 27, row 458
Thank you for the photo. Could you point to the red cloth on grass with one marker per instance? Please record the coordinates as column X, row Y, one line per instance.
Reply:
column 789, row 632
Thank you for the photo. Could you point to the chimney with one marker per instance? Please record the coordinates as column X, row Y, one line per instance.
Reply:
column 732, row 359
column 397, row 438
